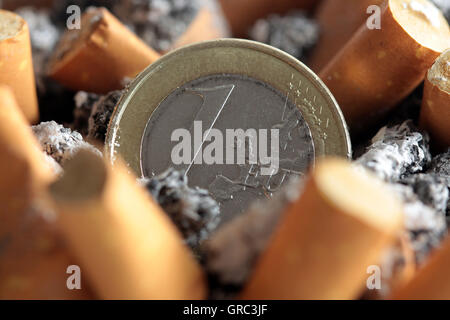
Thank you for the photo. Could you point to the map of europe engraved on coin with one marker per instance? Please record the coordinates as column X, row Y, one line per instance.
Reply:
column 224, row 102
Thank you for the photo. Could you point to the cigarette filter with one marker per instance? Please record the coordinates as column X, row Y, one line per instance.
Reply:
column 126, row 244
column 16, row 65
column 328, row 238
column 338, row 20
column 376, row 69
column 435, row 112
column 431, row 282
column 242, row 14
column 33, row 261
column 98, row 57
column 23, row 167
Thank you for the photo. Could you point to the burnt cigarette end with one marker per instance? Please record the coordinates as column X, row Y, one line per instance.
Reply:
column 293, row 33
column 84, row 102
column 230, row 253
column 101, row 113
column 60, row 143
column 193, row 210
column 158, row 22
column 397, row 152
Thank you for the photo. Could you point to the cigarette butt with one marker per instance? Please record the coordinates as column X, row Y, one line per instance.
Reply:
column 127, row 246
column 241, row 15
column 98, row 57
column 328, row 238
column 338, row 21
column 435, row 112
column 16, row 65
column 34, row 260
column 377, row 69
column 432, row 281
column 203, row 28
column 23, row 167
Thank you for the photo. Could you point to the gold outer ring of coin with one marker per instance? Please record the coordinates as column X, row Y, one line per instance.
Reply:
column 226, row 56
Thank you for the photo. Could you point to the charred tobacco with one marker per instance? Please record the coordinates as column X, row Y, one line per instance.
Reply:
column 60, row 143
column 101, row 113
column 84, row 102
column 193, row 210
column 231, row 253
column 397, row 152
column 158, row 22
column 426, row 226
column 431, row 189
column 293, row 33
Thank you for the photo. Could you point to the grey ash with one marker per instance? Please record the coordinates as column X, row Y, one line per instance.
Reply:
column 293, row 33
column 60, row 143
column 231, row 253
column 158, row 22
column 397, row 152
column 400, row 155
column 193, row 210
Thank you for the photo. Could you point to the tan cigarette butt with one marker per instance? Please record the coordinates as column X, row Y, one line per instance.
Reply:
column 34, row 260
column 24, row 170
column 126, row 244
column 328, row 238
column 435, row 112
column 377, row 69
column 16, row 64
column 204, row 27
column 338, row 21
column 432, row 281
column 98, row 57
column 241, row 15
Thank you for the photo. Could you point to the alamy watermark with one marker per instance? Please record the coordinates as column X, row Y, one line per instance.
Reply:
column 233, row 146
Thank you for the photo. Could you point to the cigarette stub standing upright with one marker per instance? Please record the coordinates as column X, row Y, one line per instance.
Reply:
column 435, row 112
column 16, row 65
column 328, row 238
column 338, row 20
column 23, row 168
column 100, row 56
column 431, row 281
column 128, row 246
column 378, row 68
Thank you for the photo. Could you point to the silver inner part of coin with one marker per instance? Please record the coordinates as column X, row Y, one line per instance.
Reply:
column 224, row 102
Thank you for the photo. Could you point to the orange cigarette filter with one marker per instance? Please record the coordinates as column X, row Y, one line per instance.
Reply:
column 126, row 244
column 242, row 14
column 23, row 167
column 16, row 64
column 377, row 69
column 338, row 21
column 33, row 262
column 98, row 57
column 435, row 112
column 432, row 281
column 322, row 248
